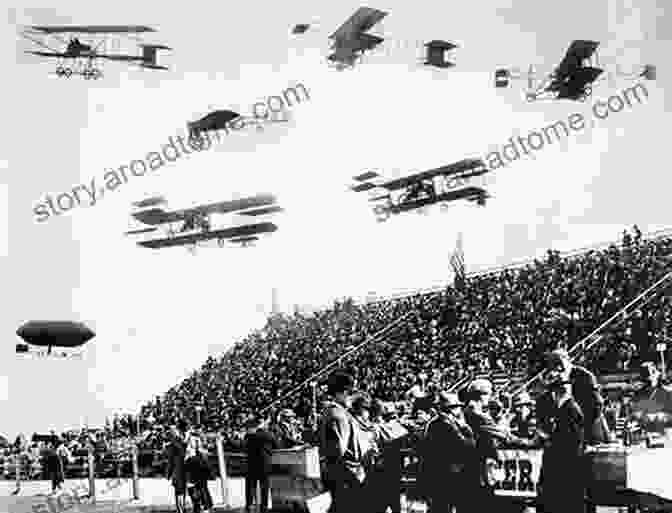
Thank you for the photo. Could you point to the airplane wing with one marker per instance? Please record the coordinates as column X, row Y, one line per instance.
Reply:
column 92, row 29
column 226, row 207
column 141, row 230
column 478, row 166
column 470, row 193
column 244, row 240
column 578, row 51
column 156, row 216
column 362, row 20
column 49, row 54
column 262, row 211
column 227, row 233
column 150, row 202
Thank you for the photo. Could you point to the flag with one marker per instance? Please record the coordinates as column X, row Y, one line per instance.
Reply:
column 457, row 263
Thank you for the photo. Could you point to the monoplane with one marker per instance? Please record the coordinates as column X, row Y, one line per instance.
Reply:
column 573, row 79
column 191, row 226
column 50, row 334
column 352, row 40
column 228, row 120
column 442, row 185
column 85, row 47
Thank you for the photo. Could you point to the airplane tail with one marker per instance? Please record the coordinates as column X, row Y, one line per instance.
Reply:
column 149, row 56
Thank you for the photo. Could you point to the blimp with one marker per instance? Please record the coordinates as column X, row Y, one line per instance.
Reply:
column 53, row 334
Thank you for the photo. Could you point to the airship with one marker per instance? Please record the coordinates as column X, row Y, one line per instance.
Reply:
column 53, row 334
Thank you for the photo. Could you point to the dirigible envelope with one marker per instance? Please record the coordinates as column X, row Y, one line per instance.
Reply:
column 55, row 333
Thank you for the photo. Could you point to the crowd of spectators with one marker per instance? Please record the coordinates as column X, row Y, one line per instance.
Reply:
column 502, row 321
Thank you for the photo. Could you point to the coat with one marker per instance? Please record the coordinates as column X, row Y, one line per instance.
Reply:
column 447, row 449
column 259, row 446
column 563, row 467
column 175, row 469
column 586, row 393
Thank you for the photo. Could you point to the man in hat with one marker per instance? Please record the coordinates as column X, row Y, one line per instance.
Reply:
column 651, row 405
column 448, row 446
column 286, row 431
column 383, row 485
column 562, row 480
column 175, row 471
column 489, row 437
column 341, row 444
column 259, row 445
column 522, row 423
column 586, row 392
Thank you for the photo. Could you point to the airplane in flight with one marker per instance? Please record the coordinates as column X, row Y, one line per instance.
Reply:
column 352, row 41
column 228, row 120
column 84, row 58
column 443, row 185
column 51, row 334
column 192, row 226
column 573, row 79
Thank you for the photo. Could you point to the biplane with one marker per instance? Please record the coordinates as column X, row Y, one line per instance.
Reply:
column 442, row 185
column 573, row 79
column 352, row 40
column 84, row 48
column 191, row 226
column 50, row 334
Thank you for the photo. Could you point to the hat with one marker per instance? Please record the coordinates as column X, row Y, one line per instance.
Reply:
column 480, row 386
column 556, row 357
column 522, row 400
column 340, row 382
column 450, row 400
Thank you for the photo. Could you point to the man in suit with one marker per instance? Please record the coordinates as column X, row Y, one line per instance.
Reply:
column 651, row 405
column 489, row 437
column 259, row 445
column 175, row 470
column 449, row 444
column 562, row 485
column 341, row 444
column 585, row 391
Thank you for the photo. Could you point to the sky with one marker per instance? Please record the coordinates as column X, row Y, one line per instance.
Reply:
column 159, row 314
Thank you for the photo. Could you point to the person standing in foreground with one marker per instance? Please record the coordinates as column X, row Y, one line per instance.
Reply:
column 585, row 391
column 341, row 444
column 175, row 471
column 562, row 487
column 198, row 472
column 448, row 446
column 259, row 445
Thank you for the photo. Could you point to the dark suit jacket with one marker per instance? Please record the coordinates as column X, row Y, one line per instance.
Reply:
column 259, row 446
column 198, row 469
column 447, row 449
column 562, row 469
column 586, row 392
column 175, row 470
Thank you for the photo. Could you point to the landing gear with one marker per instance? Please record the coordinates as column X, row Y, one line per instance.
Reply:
column 221, row 242
column 62, row 71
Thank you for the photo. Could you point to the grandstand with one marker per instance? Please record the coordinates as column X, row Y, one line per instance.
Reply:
column 499, row 327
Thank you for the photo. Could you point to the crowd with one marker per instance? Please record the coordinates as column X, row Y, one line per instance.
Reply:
column 500, row 322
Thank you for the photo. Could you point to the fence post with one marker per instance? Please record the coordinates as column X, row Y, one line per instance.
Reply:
column 222, row 470
column 92, row 474
column 18, row 471
column 136, row 472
